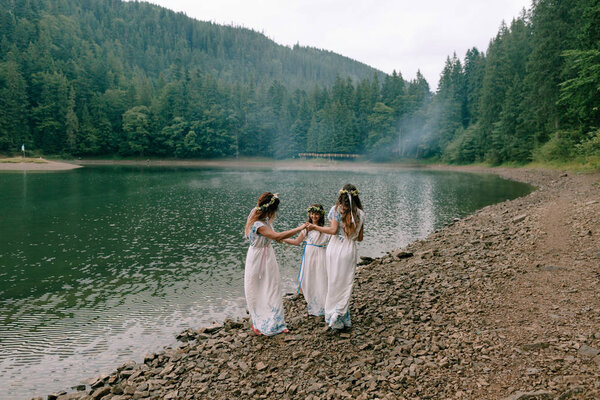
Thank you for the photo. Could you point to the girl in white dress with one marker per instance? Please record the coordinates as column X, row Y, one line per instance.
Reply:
column 346, row 228
column 312, row 277
column 262, row 285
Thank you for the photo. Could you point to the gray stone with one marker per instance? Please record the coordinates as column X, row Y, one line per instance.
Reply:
column 141, row 395
column 213, row 328
column 519, row 218
column 101, row 392
column 551, row 268
column 539, row 395
column 127, row 366
column 260, row 366
column 365, row 260
column 71, row 396
column 99, row 382
column 535, row 346
column 400, row 254
column 117, row 389
column 532, row 371
column 588, row 351
column 129, row 389
column 570, row 393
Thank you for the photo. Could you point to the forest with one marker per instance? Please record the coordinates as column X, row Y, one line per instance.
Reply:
column 107, row 78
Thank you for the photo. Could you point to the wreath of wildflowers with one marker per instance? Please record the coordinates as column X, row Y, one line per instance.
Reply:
column 352, row 192
column 266, row 206
column 315, row 210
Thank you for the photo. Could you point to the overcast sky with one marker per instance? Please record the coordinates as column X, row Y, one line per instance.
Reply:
column 389, row 35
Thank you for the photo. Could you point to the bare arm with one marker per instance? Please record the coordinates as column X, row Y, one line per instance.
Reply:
column 279, row 236
column 330, row 230
column 297, row 241
column 361, row 234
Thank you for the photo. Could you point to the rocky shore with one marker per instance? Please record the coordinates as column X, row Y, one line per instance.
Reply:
column 504, row 304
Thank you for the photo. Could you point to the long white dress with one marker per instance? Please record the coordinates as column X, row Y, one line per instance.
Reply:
column 313, row 272
column 262, row 284
column 341, row 264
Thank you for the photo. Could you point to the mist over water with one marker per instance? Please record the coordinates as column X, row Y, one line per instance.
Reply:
column 102, row 265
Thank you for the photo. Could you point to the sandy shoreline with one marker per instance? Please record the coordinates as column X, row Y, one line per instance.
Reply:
column 44, row 165
column 503, row 304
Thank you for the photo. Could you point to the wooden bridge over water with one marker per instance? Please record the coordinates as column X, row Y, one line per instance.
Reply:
column 329, row 155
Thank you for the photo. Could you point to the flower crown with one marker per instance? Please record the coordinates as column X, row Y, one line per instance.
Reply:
column 315, row 210
column 266, row 206
column 355, row 192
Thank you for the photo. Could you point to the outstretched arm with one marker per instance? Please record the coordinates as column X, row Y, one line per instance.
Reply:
column 279, row 236
column 330, row 230
column 296, row 241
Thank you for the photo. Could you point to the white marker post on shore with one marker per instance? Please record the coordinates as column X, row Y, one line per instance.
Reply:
column 23, row 149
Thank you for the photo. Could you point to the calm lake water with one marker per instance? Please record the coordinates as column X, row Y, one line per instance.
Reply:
column 101, row 265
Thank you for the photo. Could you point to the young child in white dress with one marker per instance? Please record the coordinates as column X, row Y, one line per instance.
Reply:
column 262, row 284
column 346, row 228
column 312, row 277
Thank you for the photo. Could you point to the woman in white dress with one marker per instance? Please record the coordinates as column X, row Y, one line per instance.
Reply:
column 346, row 228
column 262, row 284
column 312, row 277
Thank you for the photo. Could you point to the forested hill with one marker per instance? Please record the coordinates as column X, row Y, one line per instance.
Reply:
column 99, row 77
column 153, row 39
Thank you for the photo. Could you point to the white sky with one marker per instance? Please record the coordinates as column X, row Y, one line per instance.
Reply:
column 405, row 35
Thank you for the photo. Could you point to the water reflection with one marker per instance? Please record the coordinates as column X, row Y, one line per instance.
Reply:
column 102, row 265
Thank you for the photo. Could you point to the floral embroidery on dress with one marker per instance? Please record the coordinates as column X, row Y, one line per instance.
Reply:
column 273, row 325
column 313, row 237
column 339, row 322
column 314, row 308
column 334, row 214
column 255, row 238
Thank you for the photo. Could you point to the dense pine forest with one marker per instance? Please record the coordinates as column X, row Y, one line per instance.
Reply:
column 533, row 96
column 107, row 77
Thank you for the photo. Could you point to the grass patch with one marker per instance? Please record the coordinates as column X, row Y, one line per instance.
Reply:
column 591, row 165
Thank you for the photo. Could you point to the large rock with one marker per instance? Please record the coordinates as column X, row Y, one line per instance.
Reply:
column 100, row 392
column 588, row 351
column 539, row 395
column 519, row 218
column 71, row 396
column 260, row 366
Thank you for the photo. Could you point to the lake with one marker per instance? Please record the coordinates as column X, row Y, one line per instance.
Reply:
column 101, row 265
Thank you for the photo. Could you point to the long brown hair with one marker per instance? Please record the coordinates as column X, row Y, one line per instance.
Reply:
column 266, row 207
column 347, row 210
column 316, row 208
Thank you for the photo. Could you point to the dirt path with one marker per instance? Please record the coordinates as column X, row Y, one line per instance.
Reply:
column 503, row 304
